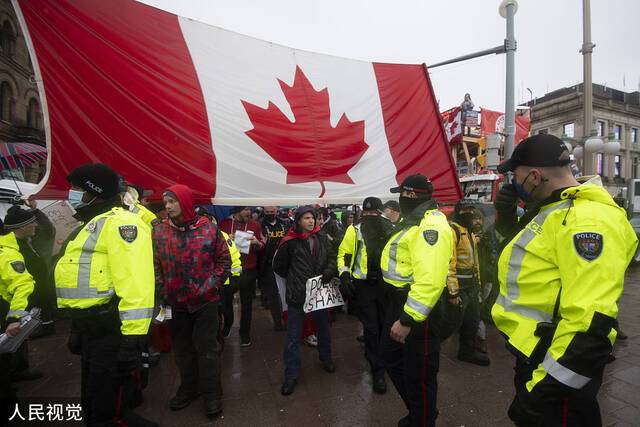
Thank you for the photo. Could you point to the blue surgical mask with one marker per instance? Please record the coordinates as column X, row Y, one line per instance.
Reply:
column 75, row 199
column 523, row 194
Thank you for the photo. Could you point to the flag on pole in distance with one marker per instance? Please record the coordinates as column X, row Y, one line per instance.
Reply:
column 493, row 122
column 166, row 99
column 452, row 122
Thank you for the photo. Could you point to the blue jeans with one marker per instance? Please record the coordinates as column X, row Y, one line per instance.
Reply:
column 295, row 321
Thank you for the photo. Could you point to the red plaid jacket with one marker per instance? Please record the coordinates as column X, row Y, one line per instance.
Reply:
column 191, row 263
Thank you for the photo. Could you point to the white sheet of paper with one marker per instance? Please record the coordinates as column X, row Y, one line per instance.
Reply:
column 322, row 295
column 243, row 241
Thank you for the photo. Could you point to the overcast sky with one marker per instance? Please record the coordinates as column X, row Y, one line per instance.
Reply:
column 549, row 35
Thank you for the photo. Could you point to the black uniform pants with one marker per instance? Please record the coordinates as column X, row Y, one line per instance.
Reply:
column 371, row 308
column 196, row 350
column 246, row 284
column 270, row 291
column 577, row 408
column 471, row 316
column 412, row 367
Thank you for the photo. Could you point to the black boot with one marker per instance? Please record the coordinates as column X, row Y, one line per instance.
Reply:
column 475, row 357
column 180, row 401
column 288, row 386
column 213, row 407
column 379, row 383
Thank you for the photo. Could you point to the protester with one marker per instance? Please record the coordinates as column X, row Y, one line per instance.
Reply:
column 415, row 263
column 274, row 229
column 192, row 261
column 241, row 220
column 391, row 211
column 364, row 243
column 304, row 254
column 464, row 282
column 104, row 280
column 561, row 274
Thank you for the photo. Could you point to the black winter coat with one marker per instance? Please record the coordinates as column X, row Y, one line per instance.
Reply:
column 296, row 264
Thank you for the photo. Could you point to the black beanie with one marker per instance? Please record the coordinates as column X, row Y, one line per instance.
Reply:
column 303, row 210
column 97, row 179
column 372, row 204
column 17, row 217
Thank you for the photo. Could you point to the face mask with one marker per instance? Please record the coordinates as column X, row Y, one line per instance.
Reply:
column 75, row 199
column 522, row 193
column 270, row 218
column 407, row 204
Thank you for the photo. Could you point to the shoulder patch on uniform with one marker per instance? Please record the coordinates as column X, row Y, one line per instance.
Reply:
column 91, row 227
column 588, row 245
column 18, row 266
column 431, row 236
column 155, row 221
column 129, row 233
column 229, row 242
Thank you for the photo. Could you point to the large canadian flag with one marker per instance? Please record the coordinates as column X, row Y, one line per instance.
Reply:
column 166, row 99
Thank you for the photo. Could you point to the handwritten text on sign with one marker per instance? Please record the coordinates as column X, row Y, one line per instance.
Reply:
column 321, row 295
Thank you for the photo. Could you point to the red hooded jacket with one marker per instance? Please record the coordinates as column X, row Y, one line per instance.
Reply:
column 192, row 259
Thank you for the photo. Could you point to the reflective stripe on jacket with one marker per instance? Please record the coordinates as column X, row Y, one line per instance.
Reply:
column 16, row 284
column 464, row 263
column 236, row 262
column 572, row 255
column 111, row 256
column 353, row 244
column 418, row 256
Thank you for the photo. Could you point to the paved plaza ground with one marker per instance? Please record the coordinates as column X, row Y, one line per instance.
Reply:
column 468, row 396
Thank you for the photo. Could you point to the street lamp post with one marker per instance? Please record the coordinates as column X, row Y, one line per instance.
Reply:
column 508, row 10
column 587, row 49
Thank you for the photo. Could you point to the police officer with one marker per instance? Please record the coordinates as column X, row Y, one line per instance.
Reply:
column 105, row 280
column 415, row 263
column 362, row 245
column 16, row 285
column 464, row 278
column 560, row 278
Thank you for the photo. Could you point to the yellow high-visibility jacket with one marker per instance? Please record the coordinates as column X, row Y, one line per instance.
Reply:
column 111, row 256
column 146, row 215
column 353, row 244
column 464, row 263
column 571, row 260
column 236, row 262
column 418, row 256
column 16, row 284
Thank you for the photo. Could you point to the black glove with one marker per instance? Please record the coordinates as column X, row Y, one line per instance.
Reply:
column 346, row 285
column 74, row 343
column 129, row 354
column 506, row 199
column 526, row 410
column 327, row 276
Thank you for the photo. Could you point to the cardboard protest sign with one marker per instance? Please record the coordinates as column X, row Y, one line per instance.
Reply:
column 321, row 295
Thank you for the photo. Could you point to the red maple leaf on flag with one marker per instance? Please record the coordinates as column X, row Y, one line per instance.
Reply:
column 309, row 148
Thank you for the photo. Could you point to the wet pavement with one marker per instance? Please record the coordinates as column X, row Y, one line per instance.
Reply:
column 468, row 395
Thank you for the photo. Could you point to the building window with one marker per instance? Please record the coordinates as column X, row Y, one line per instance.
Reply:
column 7, row 39
column 34, row 115
column 6, row 102
column 617, row 132
column 568, row 129
column 634, row 135
column 600, row 127
column 617, row 165
column 600, row 163
column 543, row 131
column 634, row 169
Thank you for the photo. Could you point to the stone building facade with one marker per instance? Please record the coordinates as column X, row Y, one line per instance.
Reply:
column 616, row 116
column 21, row 118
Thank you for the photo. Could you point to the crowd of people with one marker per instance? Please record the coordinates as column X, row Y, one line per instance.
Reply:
column 412, row 275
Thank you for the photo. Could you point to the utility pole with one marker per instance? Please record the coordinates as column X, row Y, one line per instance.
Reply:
column 508, row 10
column 587, row 49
